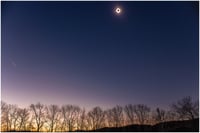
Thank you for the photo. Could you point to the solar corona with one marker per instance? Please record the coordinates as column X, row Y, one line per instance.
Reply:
column 118, row 10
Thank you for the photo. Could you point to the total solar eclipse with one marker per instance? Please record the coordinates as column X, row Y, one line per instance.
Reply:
column 118, row 10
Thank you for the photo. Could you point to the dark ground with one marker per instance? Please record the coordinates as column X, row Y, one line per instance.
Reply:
column 172, row 126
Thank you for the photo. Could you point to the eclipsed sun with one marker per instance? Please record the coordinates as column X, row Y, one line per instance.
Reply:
column 118, row 10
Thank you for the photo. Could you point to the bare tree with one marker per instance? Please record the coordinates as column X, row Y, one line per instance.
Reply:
column 160, row 115
column 15, row 116
column 96, row 118
column 72, row 118
column 186, row 108
column 88, row 123
column 81, row 124
column 129, row 111
column 3, row 106
column 38, row 115
column 52, row 116
column 142, row 113
column 70, row 115
column 109, row 118
column 30, row 125
column 4, row 116
column 115, row 115
column 171, row 116
column 23, row 119
column 11, row 117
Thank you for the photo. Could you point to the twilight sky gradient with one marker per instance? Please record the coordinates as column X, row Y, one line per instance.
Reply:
column 83, row 53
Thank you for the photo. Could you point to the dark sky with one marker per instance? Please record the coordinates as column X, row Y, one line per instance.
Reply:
column 83, row 53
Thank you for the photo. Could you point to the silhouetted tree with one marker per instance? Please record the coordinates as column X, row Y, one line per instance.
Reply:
column 4, row 116
column 160, row 115
column 88, row 123
column 38, row 111
column 70, row 114
column 96, row 118
column 71, row 118
column 23, row 119
column 109, row 118
column 15, row 116
column 142, row 113
column 81, row 124
column 116, row 115
column 10, row 117
column 186, row 108
column 129, row 111
column 3, row 106
column 30, row 125
column 52, row 117
column 171, row 116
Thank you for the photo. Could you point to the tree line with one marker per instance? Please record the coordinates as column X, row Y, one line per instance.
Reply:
column 40, row 117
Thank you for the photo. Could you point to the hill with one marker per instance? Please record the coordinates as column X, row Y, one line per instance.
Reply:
column 171, row 126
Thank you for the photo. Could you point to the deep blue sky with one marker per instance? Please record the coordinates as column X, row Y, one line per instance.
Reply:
column 83, row 53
